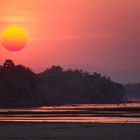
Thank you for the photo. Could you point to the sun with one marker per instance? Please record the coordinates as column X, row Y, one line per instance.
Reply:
column 14, row 38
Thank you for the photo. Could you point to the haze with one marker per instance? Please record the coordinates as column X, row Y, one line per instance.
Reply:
column 103, row 33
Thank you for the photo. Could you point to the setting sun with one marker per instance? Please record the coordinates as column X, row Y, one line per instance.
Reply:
column 14, row 38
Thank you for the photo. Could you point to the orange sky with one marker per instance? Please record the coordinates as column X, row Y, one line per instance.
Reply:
column 105, row 33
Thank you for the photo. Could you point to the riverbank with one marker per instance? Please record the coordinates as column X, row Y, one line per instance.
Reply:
column 68, row 131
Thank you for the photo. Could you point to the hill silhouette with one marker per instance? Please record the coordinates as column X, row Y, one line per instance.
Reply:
column 123, row 76
column 132, row 90
column 21, row 87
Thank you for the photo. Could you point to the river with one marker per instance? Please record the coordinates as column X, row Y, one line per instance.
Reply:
column 95, row 113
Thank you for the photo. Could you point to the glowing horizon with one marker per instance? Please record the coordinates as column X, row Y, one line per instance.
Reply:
column 104, row 33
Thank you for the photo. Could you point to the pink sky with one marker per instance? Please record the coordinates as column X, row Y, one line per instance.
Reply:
column 104, row 33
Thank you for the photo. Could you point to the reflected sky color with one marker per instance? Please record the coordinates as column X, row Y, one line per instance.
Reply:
column 77, row 113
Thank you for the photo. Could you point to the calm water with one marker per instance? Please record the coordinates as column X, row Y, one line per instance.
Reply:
column 122, row 113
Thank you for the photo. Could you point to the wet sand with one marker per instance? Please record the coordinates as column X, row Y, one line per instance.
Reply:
column 68, row 131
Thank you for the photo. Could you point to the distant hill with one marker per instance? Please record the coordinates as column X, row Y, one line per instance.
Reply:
column 132, row 90
column 122, row 76
column 126, row 76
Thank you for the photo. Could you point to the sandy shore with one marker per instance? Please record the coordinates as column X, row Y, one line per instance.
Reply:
column 68, row 131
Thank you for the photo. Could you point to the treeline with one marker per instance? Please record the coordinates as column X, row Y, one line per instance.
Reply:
column 20, row 87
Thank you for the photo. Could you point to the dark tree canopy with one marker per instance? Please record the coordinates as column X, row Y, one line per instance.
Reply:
column 77, row 87
column 20, row 87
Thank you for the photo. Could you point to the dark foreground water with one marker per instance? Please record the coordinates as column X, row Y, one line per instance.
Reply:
column 68, row 131
column 105, row 113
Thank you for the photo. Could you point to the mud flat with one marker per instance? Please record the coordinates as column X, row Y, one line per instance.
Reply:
column 68, row 131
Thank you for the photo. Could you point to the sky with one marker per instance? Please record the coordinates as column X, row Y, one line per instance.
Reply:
column 103, row 33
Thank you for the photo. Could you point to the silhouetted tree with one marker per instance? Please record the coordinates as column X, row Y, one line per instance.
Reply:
column 20, row 87
column 76, row 86
column 8, row 64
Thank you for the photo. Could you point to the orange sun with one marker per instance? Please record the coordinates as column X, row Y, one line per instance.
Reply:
column 14, row 38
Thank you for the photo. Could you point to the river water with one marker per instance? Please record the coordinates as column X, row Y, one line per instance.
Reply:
column 95, row 113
